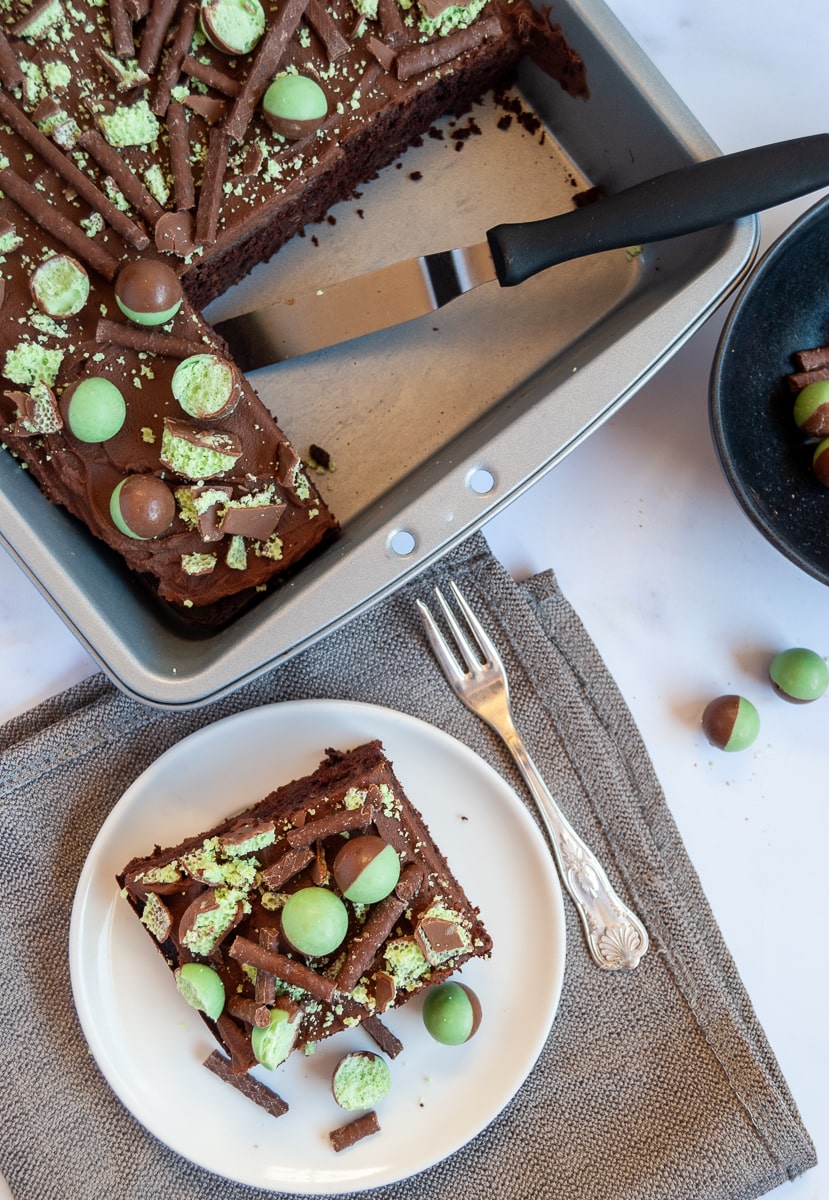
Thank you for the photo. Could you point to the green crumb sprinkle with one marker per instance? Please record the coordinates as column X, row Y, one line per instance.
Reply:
column 147, row 435
column 130, row 125
column 10, row 240
column 457, row 16
column 354, row 798
column 28, row 363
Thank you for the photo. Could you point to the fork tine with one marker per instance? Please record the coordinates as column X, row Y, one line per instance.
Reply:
column 442, row 652
column 484, row 640
column 468, row 654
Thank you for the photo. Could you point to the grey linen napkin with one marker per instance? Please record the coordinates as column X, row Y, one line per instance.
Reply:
column 652, row 1085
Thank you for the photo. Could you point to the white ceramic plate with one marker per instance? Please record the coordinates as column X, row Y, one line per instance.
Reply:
column 151, row 1046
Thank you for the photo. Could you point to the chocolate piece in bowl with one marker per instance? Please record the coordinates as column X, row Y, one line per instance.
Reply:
column 158, row 153
column 256, row 904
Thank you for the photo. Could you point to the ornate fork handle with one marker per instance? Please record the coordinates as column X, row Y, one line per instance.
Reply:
column 616, row 938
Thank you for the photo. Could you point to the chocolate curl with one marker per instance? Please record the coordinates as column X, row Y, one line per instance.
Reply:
column 391, row 21
column 10, row 74
column 210, row 199
column 354, row 1131
column 336, row 822
column 122, row 39
column 265, row 66
column 415, row 60
column 238, row 1044
column 155, row 31
column 36, row 206
column 265, row 987
column 137, row 9
column 72, row 175
column 249, row 1011
column 327, row 29
column 180, row 162
column 812, row 360
column 247, row 1085
column 799, row 380
column 111, row 161
column 382, row 919
column 133, row 337
column 22, row 26
column 210, row 75
column 167, row 77
column 287, row 969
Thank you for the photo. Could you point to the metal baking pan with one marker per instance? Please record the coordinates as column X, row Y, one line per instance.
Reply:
column 434, row 426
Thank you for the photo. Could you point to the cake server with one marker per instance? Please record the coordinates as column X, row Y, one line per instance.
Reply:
column 683, row 201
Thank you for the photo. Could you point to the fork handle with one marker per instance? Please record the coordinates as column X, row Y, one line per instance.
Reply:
column 616, row 938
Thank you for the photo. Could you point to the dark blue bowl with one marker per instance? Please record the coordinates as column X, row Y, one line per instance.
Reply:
column 784, row 307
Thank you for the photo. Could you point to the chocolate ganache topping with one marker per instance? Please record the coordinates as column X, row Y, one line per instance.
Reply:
column 141, row 174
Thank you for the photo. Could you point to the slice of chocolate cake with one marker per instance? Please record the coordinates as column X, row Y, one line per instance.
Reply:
column 315, row 910
column 151, row 149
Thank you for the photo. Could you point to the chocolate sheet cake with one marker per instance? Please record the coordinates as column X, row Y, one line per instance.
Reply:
column 188, row 140
column 222, row 899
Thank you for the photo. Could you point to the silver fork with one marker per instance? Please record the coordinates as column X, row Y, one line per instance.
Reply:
column 616, row 938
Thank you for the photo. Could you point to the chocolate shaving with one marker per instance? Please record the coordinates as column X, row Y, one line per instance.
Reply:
column 36, row 206
column 247, row 1085
column 122, row 39
column 210, row 199
column 384, row 53
column 134, row 337
column 336, row 822
column 237, row 1042
column 210, row 108
column 167, row 77
column 210, row 75
column 265, row 66
column 11, row 75
column 174, row 234
column 287, row 969
column 111, row 161
column 180, row 159
column 348, row 1135
column 286, row 866
column 137, row 9
column 155, row 31
column 383, row 1036
column 72, row 175
column 417, row 59
column 327, row 29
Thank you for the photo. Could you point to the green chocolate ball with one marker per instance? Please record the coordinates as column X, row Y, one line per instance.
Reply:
column 148, row 291
column 274, row 1043
column 202, row 988
column 94, row 410
column 142, row 506
column 314, row 921
column 731, row 722
column 451, row 1013
column 820, row 462
column 294, row 104
column 232, row 26
column 811, row 408
column 366, row 869
column 799, row 674
column 360, row 1080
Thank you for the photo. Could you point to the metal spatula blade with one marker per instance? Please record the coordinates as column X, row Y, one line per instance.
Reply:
column 679, row 202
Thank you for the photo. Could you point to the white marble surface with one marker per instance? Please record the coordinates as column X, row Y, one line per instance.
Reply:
column 681, row 595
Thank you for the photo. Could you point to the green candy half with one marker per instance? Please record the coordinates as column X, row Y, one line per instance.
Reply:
column 96, row 410
column 799, row 674
column 274, row 1043
column 202, row 988
column 295, row 98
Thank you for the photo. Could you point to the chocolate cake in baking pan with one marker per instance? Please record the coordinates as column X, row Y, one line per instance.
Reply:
column 151, row 153
column 315, row 910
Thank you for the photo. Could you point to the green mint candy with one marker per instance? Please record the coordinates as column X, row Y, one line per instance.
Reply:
column 95, row 410
column 202, row 988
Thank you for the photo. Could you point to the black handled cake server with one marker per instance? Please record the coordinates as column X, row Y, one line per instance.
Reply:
column 679, row 202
